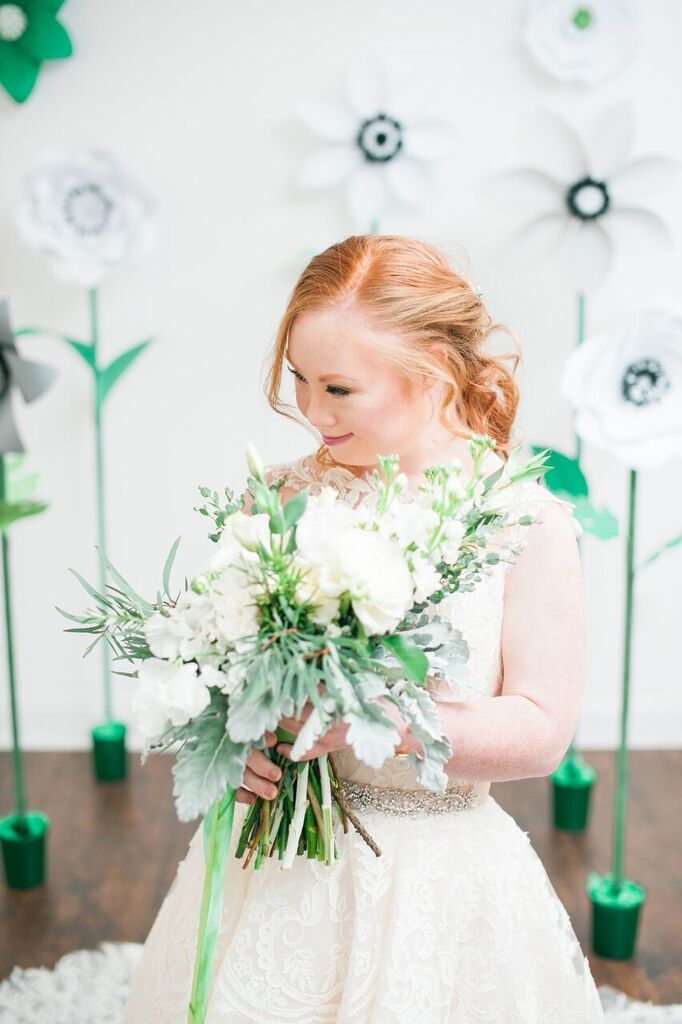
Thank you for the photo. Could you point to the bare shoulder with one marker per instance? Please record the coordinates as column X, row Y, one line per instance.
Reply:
column 550, row 553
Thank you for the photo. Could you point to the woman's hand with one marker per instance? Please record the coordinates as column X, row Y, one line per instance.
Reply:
column 260, row 776
column 333, row 739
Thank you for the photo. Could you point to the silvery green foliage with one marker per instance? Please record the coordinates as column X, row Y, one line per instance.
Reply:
column 208, row 762
column 420, row 713
column 372, row 735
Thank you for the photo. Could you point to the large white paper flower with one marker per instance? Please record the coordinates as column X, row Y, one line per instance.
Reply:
column 626, row 387
column 85, row 211
column 588, row 186
column 582, row 42
column 378, row 143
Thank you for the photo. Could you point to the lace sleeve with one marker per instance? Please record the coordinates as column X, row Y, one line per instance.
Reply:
column 532, row 497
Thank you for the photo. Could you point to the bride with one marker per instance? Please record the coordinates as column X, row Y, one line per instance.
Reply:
column 456, row 922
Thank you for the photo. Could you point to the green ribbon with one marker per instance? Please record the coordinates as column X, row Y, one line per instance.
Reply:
column 217, row 835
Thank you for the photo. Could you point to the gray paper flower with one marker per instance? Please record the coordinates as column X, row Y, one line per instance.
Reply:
column 32, row 380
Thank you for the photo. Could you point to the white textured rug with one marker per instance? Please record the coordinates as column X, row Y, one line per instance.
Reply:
column 90, row 986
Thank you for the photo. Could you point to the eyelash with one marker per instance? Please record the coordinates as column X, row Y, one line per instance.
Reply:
column 332, row 388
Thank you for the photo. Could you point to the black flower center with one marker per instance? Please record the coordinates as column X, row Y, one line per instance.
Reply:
column 588, row 199
column 87, row 209
column 4, row 376
column 645, row 382
column 380, row 138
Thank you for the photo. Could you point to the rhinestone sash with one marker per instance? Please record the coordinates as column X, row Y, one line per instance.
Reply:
column 411, row 802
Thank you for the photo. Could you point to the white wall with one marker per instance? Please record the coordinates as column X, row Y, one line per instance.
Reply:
column 199, row 101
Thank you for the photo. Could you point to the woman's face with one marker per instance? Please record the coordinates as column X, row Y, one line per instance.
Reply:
column 345, row 387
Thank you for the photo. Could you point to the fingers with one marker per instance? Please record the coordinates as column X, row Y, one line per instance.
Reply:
column 259, row 785
column 262, row 765
column 270, row 739
column 245, row 796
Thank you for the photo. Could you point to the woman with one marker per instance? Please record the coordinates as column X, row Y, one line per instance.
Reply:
column 456, row 921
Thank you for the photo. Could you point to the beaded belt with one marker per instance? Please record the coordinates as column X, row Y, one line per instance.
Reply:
column 409, row 802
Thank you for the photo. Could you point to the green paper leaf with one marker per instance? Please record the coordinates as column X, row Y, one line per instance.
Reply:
column 564, row 475
column 412, row 659
column 18, row 71
column 108, row 377
column 11, row 511
column 599, row 523
column 673, row 543
column 45, row 38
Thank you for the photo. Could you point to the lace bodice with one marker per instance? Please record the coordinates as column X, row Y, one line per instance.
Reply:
column 478, row 613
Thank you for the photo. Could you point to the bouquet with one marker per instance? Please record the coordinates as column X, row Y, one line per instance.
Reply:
column 315, row 603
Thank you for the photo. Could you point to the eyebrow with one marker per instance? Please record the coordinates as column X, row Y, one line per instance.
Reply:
column 327, row 376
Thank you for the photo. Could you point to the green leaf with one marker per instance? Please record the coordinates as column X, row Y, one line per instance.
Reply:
column 564, row 474
column 673, row 543
column 206, row 766
column 294, row 508
column 100, row 598
column 169, row 565
column 10, row 511
column 144, row 605
column 412, row 659
column 108, row 377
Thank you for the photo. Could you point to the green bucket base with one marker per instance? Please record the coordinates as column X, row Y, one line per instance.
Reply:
column 23, row 853
column 615, row 915
column 572, row 784
column 109, row 751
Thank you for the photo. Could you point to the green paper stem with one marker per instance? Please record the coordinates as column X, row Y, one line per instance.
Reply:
column 217, row 835
column 620, row 810
column 21, row 824
column 99, row 459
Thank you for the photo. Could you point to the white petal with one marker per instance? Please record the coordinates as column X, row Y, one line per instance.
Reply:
column 366, row 195
column 643, row 177
column 429, row 141
column 332, row 120
column 538, row 237
column 528, row 186
column 610, row 140
column 560, row 149
column 587, row 253
column 329, row 166
column 409, row 180
column 644, row 222
column 367, row 87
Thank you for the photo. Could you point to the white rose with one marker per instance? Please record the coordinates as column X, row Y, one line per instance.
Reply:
column 377, row 578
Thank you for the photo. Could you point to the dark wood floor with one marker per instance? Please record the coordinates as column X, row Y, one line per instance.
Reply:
column 114, row 849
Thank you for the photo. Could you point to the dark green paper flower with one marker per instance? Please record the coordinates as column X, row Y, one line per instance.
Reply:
column 29, row 34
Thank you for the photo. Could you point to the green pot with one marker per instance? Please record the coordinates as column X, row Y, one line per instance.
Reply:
column 572, row 784
column 23, row 852
column 109, row 751
column 615, row 915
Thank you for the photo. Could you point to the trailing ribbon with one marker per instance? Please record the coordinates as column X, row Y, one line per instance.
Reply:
column 217, row 834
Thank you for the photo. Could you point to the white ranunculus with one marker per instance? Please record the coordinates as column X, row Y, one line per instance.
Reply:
column 582, row 42
column 378, row 142
column 234, row 610
column 167, row 692
column 86, row 212
column 377, row 578
column 178, row 634
column 626, row 387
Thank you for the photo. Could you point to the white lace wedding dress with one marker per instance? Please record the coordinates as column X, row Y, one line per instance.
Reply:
column 455, row 923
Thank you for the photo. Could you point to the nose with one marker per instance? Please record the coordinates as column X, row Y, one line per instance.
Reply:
column 319, row 415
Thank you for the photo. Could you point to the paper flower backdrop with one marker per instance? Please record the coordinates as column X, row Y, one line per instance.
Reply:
column 29, row 34
column 584, row 43
column 85, row 211
column 594, row 187
column 377, row 143
column 32, row 379
column 626, row 387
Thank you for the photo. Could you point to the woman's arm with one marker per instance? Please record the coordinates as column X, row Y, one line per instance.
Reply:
column 525, row 731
